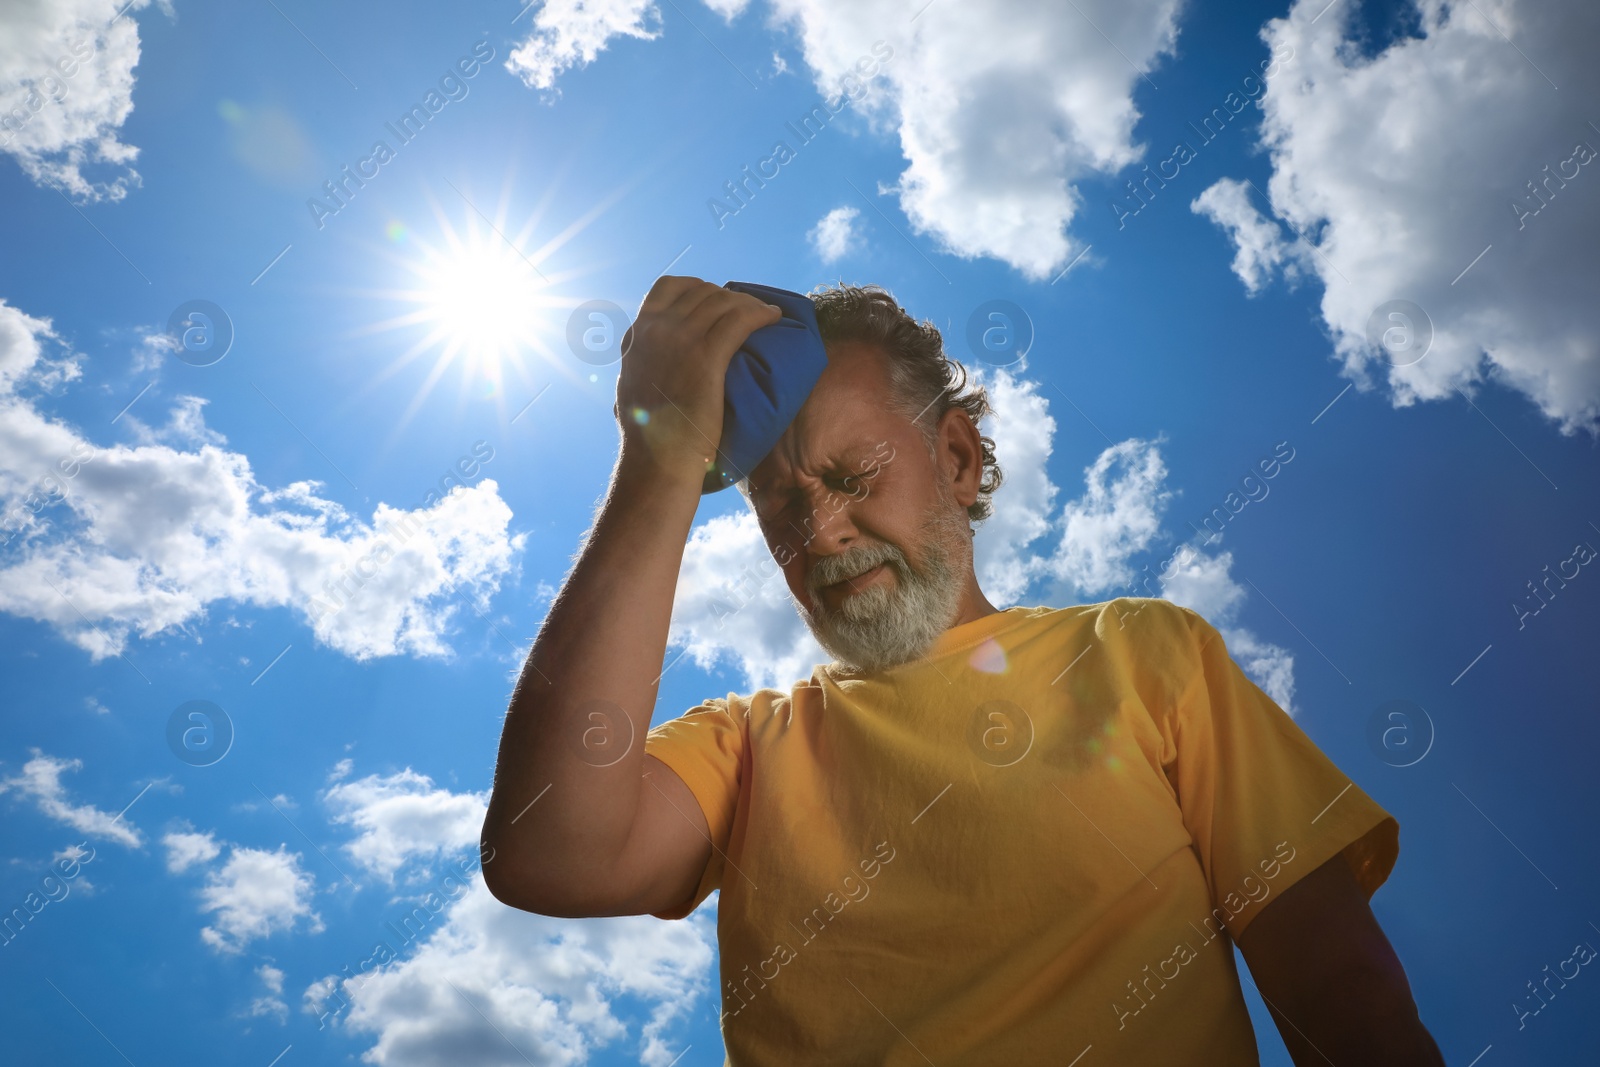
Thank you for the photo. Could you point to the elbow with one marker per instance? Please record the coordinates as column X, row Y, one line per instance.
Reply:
column 504, row 867
column 502, row 884
column 528, row 882
column 508, row 870
column 533, row 895
column 514, row 885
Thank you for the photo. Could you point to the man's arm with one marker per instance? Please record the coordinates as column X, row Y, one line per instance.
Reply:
column 573, row 827
column 1330, row 978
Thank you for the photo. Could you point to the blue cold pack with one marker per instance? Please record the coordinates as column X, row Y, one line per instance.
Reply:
column 768, row 380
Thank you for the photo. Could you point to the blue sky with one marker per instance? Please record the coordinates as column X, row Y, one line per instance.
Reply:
column 182, row 549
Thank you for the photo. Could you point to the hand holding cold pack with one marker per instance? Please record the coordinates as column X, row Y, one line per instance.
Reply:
column 768, row 380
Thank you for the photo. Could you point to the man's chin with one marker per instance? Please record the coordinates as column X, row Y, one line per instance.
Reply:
column 866, row 635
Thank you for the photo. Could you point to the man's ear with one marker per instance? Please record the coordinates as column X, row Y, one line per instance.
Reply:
column 959, row 447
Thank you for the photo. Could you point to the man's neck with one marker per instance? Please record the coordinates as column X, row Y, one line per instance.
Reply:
column 974, row 605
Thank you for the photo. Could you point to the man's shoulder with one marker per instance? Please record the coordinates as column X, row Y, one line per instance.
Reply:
column 1132, row 618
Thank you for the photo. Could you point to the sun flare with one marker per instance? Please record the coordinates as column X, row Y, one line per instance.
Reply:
column 479, row 300
column 472, row 298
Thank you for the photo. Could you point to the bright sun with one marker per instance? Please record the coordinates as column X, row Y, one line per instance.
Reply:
column 481, row 301
column 477, row 301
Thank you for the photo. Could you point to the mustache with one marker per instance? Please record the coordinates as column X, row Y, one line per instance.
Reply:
column 832, row 569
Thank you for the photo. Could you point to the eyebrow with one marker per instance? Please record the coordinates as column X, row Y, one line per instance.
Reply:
column 850, row 459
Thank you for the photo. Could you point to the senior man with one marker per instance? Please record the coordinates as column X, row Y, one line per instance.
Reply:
column 978, row 836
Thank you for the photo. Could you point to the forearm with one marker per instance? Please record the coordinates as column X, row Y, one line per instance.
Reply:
column 1363, row 1016
column 567, row 779
column 1334, row 985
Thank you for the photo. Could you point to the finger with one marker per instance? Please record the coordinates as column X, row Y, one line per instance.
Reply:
column 666, row 290
column 690, row 299
column 735, row 325
column 706, row 312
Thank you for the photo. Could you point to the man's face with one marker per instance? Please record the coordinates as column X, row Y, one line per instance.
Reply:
column 875, row 548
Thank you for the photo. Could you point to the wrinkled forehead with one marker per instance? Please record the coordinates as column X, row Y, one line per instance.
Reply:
column 843, row 421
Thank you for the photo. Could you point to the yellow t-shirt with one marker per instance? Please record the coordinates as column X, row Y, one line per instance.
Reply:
column 1037, row 840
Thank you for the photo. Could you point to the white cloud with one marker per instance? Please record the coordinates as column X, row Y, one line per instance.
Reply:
column 1118, row 516
column 74, row 854
column 1023, row 431
column 732, row 602
column 270, row 1002
column 1406, row 165
column 41, row 780
column 543, row 986
column 66, row 87
column 255, row 894
column 403, row 816
column 22, row 351
column 1206, row 585
column 997, row 128
column 186, row 425
column 571, row 33
column 146, row 537
column 730, row 8
column 1270, row 666
column 185, row 848
column 834, row 235
column 1259, row 246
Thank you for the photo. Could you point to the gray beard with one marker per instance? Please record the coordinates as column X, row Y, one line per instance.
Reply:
column 885, row 626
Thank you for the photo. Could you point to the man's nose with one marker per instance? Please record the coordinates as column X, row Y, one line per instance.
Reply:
column 826, row 527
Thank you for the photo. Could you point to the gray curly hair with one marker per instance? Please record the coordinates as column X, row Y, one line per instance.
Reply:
column 926, row 382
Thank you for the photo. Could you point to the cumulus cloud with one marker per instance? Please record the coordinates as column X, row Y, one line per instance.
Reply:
column 403, row 817
column 732, row 603
column 103, row 540
column 1206, row 585
column 255, row 894
column 572, row 33
column 74, row 854
column 1404, row 166
column 40, row 780
column 834, row 235
column 185, row 848
column 270, row 1002
column 1023, row 432
column 22, row 352
column 66, row 87
column 498, row 986
column 996, row 131
column 1260, row 250
column 1118, row 515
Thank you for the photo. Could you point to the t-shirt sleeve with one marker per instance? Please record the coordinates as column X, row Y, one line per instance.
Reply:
column 705, row 747
column 1264, row 806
